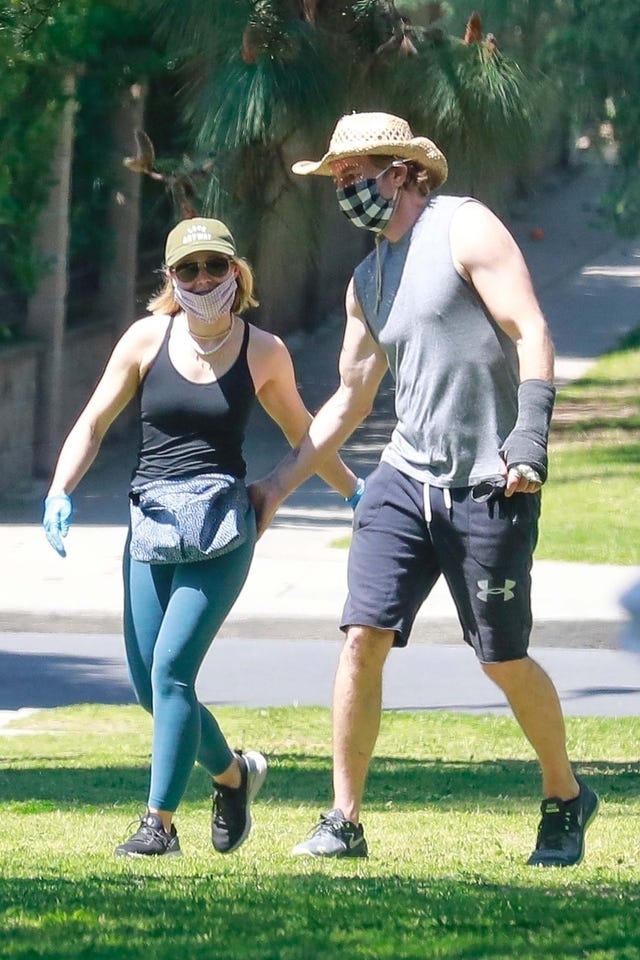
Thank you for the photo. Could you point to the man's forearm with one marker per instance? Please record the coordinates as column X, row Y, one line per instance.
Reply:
column 337, row 474
column 331, row 427
column 536, row 355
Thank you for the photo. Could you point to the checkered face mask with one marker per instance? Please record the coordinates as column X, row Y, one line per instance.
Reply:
column 363, row 204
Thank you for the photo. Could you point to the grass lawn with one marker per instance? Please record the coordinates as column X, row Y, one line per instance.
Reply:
column 589, row 506
column 451, row 811
column 452, row 805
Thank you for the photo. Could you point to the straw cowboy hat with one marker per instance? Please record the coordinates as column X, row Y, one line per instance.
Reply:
column 364, row 134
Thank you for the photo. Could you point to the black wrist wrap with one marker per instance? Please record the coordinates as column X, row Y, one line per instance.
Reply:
column 527, row 442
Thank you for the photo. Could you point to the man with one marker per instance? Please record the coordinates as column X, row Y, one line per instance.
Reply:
column 446, row 302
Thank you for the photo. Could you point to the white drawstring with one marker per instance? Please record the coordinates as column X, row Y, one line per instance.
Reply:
column 426, row 496
column 378, row 241
column 427, row 502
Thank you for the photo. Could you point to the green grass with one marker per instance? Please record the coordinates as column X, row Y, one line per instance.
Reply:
column 450, row 818
column 588, row 512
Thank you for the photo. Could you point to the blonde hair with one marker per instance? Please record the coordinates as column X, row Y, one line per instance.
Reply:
column 164, row 301
column 417, row 176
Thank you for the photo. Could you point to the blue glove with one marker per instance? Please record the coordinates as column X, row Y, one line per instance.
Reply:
column 58, row 511
column 354, row 500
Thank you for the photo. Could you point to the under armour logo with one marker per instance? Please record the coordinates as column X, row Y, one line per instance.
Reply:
column 505, row 592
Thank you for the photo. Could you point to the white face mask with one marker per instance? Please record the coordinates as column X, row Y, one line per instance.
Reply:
column 208, row 306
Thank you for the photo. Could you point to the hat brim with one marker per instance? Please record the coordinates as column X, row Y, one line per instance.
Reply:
column 422, row 151
column 203, row 246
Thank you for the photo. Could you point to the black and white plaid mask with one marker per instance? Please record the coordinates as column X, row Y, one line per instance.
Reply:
column 363, row 204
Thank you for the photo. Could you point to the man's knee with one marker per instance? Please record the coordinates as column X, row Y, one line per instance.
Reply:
column 506, row 672
column 367, row 646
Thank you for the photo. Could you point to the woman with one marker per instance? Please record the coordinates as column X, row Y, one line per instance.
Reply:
column 195, row 367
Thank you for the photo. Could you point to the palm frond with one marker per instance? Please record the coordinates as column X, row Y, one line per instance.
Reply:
column 240, row 103
column 482, row 109
column 199, row 27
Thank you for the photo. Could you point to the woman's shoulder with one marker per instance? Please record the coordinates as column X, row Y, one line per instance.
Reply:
column 140, row 342
column 264, row 342
column 268, row 357
column 148, row 330
column 150, row 324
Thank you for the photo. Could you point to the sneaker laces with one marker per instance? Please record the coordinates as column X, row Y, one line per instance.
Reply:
column 225, row 801
column 146, row 830
column 329, row 823
column 558, row 819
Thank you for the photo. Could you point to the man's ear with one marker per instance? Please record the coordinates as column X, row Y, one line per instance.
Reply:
column 400, row 172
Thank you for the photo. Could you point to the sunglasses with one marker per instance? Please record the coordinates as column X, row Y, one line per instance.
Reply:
column 215, row 267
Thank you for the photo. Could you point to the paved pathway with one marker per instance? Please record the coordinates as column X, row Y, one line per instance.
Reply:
column 588, row 283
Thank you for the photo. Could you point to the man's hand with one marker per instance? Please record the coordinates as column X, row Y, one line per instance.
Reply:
column 520, row 479
column 266, row 498
column 525, row 449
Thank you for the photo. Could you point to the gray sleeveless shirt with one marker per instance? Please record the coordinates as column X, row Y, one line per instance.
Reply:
column 455, row 370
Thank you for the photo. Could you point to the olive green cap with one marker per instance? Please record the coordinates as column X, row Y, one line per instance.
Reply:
column 195, row 235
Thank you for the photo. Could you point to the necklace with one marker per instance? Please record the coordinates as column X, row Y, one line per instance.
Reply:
column 207, row 353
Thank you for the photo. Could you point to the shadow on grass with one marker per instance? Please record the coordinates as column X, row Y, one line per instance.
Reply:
column 597, row 424
column 299, row 778
column 320, row 914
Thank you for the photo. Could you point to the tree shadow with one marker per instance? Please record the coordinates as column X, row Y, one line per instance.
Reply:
column 50, row 680
column 131, row 913
column 303, row 778
column 460, row 785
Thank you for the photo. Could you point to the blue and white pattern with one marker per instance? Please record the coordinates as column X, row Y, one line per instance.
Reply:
column 183, row 521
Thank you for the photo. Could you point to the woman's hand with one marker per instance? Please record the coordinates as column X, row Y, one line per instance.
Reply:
column 58, row 511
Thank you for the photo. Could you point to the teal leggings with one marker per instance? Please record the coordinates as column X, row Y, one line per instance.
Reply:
column 171, row 614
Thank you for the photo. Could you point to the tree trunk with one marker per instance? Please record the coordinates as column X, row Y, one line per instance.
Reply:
column 118, row 279
column 46, row 310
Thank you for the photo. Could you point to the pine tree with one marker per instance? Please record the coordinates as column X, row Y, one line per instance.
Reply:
column 258, row 73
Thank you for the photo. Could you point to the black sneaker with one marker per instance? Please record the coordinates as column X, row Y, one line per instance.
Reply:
column 231, row 815
column 151, row 840
column 560, row 841
column 334, row 836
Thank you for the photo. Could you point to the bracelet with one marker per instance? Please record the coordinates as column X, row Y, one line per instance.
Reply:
column 354, row 499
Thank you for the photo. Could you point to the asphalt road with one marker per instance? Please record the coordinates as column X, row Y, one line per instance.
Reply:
column 48, row 670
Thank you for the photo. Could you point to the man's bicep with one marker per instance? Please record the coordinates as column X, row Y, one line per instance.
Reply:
column 362, row 362
column 489, row 257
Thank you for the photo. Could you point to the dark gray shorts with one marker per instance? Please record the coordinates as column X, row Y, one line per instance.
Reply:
column 483, row 550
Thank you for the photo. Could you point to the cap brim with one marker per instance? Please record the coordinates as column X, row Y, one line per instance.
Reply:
column 205, row 246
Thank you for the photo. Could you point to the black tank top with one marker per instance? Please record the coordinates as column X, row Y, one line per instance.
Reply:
column 192, row 428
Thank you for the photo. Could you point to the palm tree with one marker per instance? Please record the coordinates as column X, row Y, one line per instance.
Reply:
column 265, row 80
